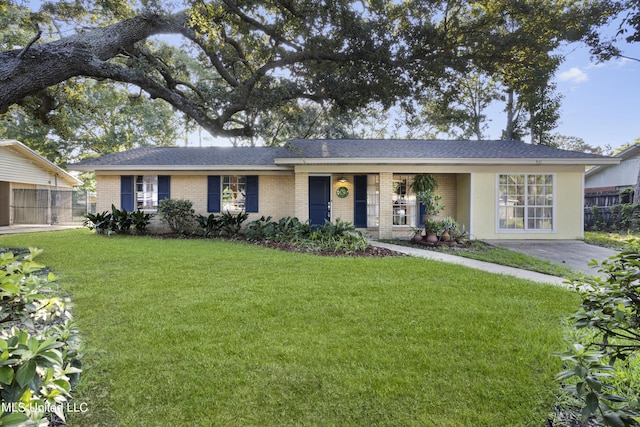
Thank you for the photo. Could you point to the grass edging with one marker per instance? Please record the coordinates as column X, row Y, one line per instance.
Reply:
column 483, row 251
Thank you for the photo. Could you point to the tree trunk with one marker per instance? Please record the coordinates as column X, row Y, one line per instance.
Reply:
column 508, row 132
column 636, row 193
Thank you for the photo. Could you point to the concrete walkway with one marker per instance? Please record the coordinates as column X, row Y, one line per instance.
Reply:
column 472, row 263
column 15, row 229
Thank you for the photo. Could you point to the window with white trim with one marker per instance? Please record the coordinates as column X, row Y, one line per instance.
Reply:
column 234, row 190
column 525, row 202
column 404, row 203
column 147, row 192
column 373, row 200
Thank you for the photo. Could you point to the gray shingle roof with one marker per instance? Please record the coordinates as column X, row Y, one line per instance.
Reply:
column 183, row 156
column 330, row 149
column 434, row 149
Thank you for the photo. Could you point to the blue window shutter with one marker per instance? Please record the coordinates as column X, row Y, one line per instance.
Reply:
column 213, row 193
column 164, row 187
column 421, row 211
column 126, row 192
column 251, row 194
column 360, row 201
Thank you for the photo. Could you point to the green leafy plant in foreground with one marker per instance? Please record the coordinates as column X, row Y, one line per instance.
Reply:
column 39, row 346
column 610, row 312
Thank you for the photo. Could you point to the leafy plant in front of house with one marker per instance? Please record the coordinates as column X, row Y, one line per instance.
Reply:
column 140, row 220
column 118, row 221
column 339, row 237
column 230, row 224
column 40, row 349
column 121, row 221
column 432, row 202
column 100, row 222
column 209, row 225
column 178, row 214
column 604, row 366
column 287, row 229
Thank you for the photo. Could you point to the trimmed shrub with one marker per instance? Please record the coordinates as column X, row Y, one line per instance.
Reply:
column 178, row 214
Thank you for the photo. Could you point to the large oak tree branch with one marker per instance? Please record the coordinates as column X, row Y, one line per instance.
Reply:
column 90, row 54
column 48, row 64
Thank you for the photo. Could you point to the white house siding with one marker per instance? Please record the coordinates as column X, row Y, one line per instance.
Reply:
column 16, row 168
column 623, row 175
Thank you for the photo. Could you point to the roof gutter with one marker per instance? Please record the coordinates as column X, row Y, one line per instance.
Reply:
column 78, row 167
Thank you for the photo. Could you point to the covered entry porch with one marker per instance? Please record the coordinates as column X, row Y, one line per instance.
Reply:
column 381, row 203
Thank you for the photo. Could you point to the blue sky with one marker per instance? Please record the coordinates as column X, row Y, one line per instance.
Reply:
column 601, row 101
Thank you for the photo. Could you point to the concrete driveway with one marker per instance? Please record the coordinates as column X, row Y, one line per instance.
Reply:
column 573, row 253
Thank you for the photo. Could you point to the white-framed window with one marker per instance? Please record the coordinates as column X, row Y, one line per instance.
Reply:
column 234, row 190
column 404, row 202
column 147, row 192
column 373, row 200
column 526, row 202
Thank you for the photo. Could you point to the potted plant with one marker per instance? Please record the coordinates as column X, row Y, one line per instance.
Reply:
column 423, row 186
column 448, row 225
column 431, row 202
column 432, row 227
column 417, row 234
column 424, row 182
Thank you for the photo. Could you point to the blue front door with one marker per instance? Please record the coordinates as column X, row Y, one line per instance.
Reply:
column 319, row 200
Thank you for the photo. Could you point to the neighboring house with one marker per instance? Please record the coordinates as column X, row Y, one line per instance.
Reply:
column 32, row 189
column 603, row 183
column 497, row 189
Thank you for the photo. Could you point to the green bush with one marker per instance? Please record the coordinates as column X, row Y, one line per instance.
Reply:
column 224, row 225
column 288, row 229
column 178, row 214
column 39, row 346
column 339, row 237
column 100, row 222
column 209, row 225
column 604, row 363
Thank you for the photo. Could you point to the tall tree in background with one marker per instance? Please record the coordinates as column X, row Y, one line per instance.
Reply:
column 91, row 118
column 458, row 107
column 511, row 44
column 573, row 143
column 257, row 58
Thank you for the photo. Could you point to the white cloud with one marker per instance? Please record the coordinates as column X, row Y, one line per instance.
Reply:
column 573, row 75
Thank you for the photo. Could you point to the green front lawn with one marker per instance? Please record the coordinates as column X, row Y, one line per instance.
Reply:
column 201, row 333
column 617, row 241
column 482, row 251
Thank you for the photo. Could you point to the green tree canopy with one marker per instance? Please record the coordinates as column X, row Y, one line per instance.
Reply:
column 242, row 66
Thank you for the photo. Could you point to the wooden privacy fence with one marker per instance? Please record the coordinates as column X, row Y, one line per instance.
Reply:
column 602, row 198
column 51, row 206
column 612, row 218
